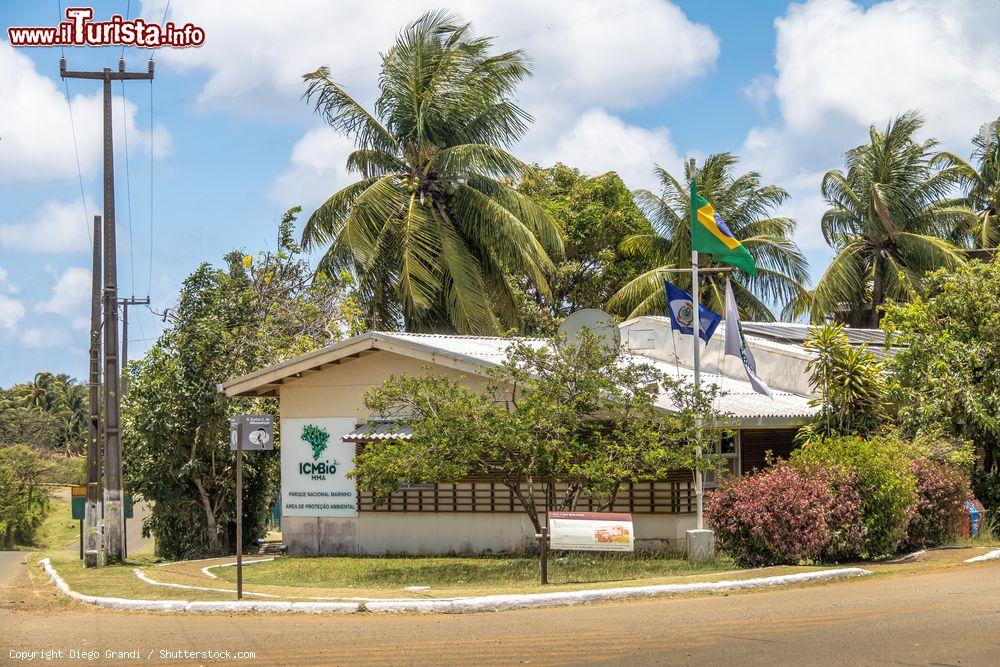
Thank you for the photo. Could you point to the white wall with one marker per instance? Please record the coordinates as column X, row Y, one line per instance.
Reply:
column 781, row 366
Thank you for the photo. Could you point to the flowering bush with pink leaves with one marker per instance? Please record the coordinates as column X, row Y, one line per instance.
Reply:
column 787, row 515
column 942, row 490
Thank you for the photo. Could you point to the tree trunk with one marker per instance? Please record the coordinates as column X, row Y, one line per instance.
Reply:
column 211, row 525
column 874, row 317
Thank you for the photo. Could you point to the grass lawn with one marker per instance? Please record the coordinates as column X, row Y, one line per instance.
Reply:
column 500, row 572
column 58, row 529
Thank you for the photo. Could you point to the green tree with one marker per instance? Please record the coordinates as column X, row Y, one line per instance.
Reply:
column 594, row 214
column 228, row 322
column 433, row 228
column 981, row 185
column 24, row 502
column 944, row 373
column 747, row 207
column 577, row 414
column 888, row 222
column 849, row 384
column 49, row 413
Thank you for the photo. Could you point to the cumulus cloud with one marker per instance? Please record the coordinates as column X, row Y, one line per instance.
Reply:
column 841, row 67
column 71, row 292
column 56, row 226
column 599, row 141
column 615, row 52
column 43, row 338
column 590, row 59
column 37, row 137
column 11, row 312
column 318, row 169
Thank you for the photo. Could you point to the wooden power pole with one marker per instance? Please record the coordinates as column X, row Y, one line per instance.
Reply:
column 92, row 515
column 125, row 303
column 114, row 544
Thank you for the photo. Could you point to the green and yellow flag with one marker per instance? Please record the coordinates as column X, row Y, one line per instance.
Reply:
column 711, row 235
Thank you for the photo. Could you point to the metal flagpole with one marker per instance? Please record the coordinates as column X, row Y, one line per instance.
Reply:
column 696, row 366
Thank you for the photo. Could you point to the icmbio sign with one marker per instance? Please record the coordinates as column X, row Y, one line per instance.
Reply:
column 314, row 465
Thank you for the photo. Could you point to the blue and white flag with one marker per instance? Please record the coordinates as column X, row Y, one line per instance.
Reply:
column 681, row 309
column 736, row 344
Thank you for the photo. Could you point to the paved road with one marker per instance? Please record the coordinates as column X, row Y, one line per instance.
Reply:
column 945, row 617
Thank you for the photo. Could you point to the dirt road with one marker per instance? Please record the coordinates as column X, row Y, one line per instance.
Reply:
column 945, row 617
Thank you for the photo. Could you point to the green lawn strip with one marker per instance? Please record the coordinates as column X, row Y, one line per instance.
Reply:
column 58, row 529
column 119, row 581
column 379, row 577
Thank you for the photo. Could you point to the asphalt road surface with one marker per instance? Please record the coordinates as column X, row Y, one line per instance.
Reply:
column 947, row 617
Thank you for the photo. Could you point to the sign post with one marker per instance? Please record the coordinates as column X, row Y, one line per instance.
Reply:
column 239, row 510
column 258, row 431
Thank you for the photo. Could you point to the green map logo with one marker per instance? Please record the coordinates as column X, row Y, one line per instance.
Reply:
column 317, row 438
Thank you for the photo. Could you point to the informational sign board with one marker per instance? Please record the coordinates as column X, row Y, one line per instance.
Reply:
column 78, row 499
column 314, row 465
column 258, row 432
column 591, row 531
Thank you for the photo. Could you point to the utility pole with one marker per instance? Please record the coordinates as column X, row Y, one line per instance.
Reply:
column 92, row 515
column 125, row 303
column 114, row 547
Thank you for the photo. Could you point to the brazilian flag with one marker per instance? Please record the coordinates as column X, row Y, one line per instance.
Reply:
column 711, row 235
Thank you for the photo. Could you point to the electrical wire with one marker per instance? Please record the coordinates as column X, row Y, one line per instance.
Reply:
column 76, row 148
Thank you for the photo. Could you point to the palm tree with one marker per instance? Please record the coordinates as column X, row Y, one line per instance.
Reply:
column 747, row 207
column 981, row 185
column 433, row 229
column 888, row 221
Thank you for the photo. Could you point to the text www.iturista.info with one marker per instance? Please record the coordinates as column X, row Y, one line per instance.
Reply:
column 80, row 30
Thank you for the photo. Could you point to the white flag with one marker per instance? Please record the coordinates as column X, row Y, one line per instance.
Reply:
column 736, row 344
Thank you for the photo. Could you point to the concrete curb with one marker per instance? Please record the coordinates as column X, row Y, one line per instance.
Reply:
column 208, row 568
column 453, row 605
column 992, row 555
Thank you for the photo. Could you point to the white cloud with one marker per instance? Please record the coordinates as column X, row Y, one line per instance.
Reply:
column 42, row 338
column 35, row 129
column 613, row 52
column 5, row 284
column 600, row 142
column 589, row 58
column 56, row 226
column 70, row 294
column 11, row 312
column 841, row 67
column 318, row 169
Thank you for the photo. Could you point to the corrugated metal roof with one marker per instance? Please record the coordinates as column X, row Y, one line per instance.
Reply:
column 794, row 332
column 380, row 431
column 740, row 400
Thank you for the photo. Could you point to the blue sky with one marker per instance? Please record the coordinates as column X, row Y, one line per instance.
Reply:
column 619, row 84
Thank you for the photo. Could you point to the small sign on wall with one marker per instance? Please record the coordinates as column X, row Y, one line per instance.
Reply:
column 591, row 531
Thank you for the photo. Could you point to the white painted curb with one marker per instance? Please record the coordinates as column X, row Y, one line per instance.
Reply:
column 993, row 555
column 455, row 605
column 207, row 570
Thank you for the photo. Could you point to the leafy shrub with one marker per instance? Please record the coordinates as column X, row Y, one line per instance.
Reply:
column 941, row 493
column 24, row 502
column 883, row 481
column 986, row 486
column 784, row 515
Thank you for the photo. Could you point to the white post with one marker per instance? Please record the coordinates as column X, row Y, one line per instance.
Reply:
column 700, row 542
column 696, row 366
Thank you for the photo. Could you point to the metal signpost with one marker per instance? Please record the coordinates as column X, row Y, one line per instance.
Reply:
column 253, row 433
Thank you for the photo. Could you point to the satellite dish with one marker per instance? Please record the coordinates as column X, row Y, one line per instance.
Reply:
column 597, row 322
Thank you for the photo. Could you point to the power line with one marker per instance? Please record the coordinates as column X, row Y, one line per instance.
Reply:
column 149, row 283
column 128, row 191
column 128, row 172
column 76, row 149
